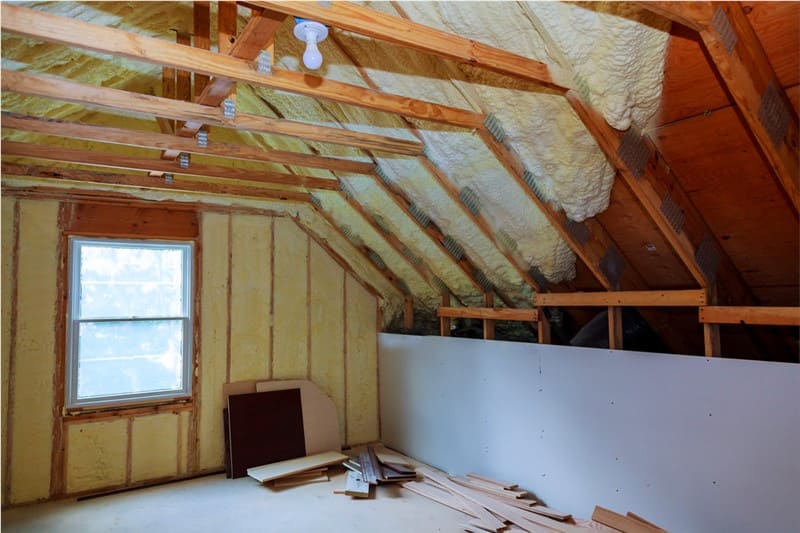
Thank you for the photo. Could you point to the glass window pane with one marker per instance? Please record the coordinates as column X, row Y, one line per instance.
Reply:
column 129, row 357
column 130, row 281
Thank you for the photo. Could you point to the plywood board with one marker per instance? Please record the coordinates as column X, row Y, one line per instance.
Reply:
column 250, row 296
column 281, row 469
column 290, row 308
column 320, row 421
column 264, row 427
column 213, row 338
column 31, row 441
column 356, row 486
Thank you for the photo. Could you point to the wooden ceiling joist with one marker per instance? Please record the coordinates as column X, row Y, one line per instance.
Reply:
column 148, row 182
column 676, row 298
column 160, row 141
column 403, row 32
column 764, row 316
column 62, row 30
column 124, row 101
column 489, row 313
column 743, row 64
column 475, row 215
column 110, row 160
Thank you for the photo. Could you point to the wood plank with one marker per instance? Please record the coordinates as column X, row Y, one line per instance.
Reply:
column 538, row 509
column 615, row 328
column 167, row 91
column 444, row 322
column 676, row 298
column 501, row 484
column 623, row 523
column 142, row 181
column 294, row 481
column 543, row 327
column 72, row 32
column 356, row 486
column 765, row 316
column 144, row 222
column 644, row 521
column 748, row 74
column 201, row 38
column 103, row 159
column 408, row 313
column 488, row 324
column 294, row 466
column 146, row 139
column 117, row 100
column 492, row 313
column 438, row 495
column 364, row 21
column 489, row 488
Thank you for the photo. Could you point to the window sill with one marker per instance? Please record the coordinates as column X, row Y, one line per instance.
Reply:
column 126, row 411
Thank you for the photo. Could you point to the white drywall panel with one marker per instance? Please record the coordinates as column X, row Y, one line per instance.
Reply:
column 693, row 444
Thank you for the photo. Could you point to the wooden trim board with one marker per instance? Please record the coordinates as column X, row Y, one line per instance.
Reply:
column 294, row 466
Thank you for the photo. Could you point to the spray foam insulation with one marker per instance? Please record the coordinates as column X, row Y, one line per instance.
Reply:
column 611, row 52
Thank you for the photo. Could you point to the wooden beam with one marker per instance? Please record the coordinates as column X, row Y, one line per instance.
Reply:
column 621, row 522
column 478, row 219
column 72, row 32
column 408, row 313
column 615, row 329
column 160, row 141
column 167, row 91
column 488, row 324
column 491, row 313
column 444, row 322
column 763, row 316
column 743, row 64
column 365, row 21
column 642, row 182
column 676, row 298
column 143, row 181
column 104, row 159
column 183, row 77
column 117, row 100
column 201, row 39
column 543, row 327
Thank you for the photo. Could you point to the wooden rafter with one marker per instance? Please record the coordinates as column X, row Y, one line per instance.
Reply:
column 148, row 182
column 110, row 160
column 765, row 316
column 676, row 298
column 478, row 219
column 53, row 28
column 743, row 64
column 117, row 100
column 365, row 21
column 160, row 141
column 489, row 313
column 395, row 242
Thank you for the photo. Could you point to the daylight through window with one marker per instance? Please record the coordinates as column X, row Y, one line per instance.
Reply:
column 130, row 321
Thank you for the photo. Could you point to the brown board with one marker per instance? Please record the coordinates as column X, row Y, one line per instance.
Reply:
column 264, row 427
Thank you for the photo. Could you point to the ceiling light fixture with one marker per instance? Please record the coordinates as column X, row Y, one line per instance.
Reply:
column 311, row 33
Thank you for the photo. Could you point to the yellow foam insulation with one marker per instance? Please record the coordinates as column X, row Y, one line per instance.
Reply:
column 327, row 328
column 250, row 296
column 362, row 364
column 290, row 302
column 7, row 243
column 154, row 447
column 31, row 442
column 97, row 455
column 213, row 337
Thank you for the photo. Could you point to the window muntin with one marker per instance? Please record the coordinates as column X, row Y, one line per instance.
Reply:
column 130, row 321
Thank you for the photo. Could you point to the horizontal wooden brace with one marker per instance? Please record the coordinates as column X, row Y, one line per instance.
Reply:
column 678, row 298
column 489, row 313
column 766, row 316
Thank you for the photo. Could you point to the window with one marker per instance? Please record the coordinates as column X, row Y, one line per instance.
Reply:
column 129, row 321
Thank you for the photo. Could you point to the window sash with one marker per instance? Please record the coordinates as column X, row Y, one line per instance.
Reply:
column 74, row 323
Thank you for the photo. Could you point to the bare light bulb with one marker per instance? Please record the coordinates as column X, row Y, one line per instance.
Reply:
column 311, row 33
column 312, row 58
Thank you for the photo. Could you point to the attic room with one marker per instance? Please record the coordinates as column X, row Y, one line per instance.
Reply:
column 265, row 260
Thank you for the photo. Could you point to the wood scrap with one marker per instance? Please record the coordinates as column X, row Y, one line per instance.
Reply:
column 539, row 509
column 522, row 503
column 501, row 484
column 389, row 475
column 644, row 521
column 490, row 489
column 623, row 523
column 370, row 466
column 294, row 481
column 294, row 466
column 398, row 467
column 356, row 486
column 436, row 494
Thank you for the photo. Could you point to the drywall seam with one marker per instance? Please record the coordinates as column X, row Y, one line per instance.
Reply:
column 10, row 247
column 250, row 300
column 362, row 401
column 327, row 329
column 214, row 320
column 97, row 454
column 35, row 351
column 289, row 339
column 155, row 443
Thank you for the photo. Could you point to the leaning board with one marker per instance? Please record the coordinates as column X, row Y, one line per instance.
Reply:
column 294, row 466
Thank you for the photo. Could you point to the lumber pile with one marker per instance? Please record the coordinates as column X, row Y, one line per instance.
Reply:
column 368, row 470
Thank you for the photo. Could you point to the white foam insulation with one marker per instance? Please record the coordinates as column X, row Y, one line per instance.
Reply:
column 611, row 52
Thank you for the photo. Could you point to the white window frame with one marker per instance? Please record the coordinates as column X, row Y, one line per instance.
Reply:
column 73, row 323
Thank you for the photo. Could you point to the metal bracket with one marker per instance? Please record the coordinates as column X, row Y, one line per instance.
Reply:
column 168, row 179
column 183, row 160
column 722, row 25
column 633, row 152
column 773, row 114
column 264, row 62
column 229, row 108
column 202, row 139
